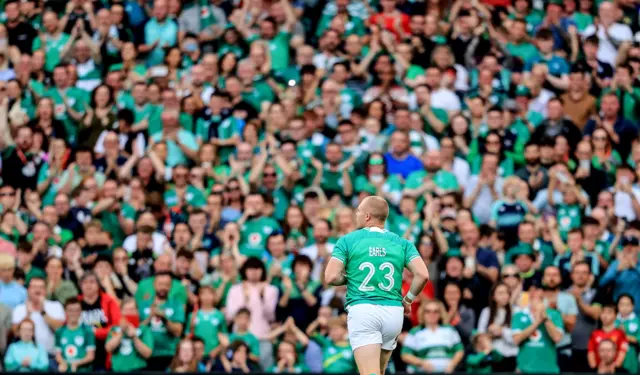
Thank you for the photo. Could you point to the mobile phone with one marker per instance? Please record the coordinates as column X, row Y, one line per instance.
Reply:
column 585, row 164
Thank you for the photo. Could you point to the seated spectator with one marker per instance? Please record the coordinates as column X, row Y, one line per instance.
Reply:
column 485, row 358
column 335, row 342
column 236, row 360
column 129, row 343
column 25, row 355
column 458, row 314
column 207, row 322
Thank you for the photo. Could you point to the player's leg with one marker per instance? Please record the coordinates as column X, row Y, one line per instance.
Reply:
column 368, row 359
column 385, row 356
column 393, row 319
column 365, row 337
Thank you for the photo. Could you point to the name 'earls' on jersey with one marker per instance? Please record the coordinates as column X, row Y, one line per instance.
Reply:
column 373, row 261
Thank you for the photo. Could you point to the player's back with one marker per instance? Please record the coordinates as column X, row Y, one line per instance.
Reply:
column 374, row 260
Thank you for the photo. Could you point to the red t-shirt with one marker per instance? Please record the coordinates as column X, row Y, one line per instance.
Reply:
column 427, row 292
column 616, row 335
column 389, row 23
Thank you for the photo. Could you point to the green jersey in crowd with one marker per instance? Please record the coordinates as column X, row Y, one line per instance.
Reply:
column 336, row 357
column 374, row 260
column 126, row 358
column 165, row 344
column 537, row 352
column 248, row 338
column 631, row 326
column 74, row 343
column 206, row 325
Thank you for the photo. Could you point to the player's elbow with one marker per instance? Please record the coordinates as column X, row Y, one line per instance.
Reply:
column 331, row 276
column 421, row 273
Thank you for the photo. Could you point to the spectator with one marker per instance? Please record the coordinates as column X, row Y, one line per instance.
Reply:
column 166, row 318
column 424, row 354
column 185, row 359
column 208, row 323
column 537, row 330
column 300, row 295
column 12, row 294
column 5, row 330
column 607, row 332
column 495, row 320
column 589, row 301
column 75, row 342
column 58, row 289
column 99, row 311
column 335, row 342
column 620, row 274
column 25, row 354
column 458, row 315
column 45, row 316
column 628, row 321
column 129, row 342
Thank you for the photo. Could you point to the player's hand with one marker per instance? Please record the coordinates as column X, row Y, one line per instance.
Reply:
column 407, row 307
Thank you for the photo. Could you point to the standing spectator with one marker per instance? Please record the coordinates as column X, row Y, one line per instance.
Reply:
column 565, row 303
column 259, row 298
column 623, row 273
column 166, row 318
column 434, row 347
column 399, row 159
column 609, row 32
column 607, row 331
column 457, row 314
column 589, row 300
column 129, row 342
column 483, row 189
column 537, row 330
column 146, row 291
column 58, row 289
column 25, row 355
column 46, row 316
column 620, row 130
column 607, row 353
column 495, row 320
column 321, row 250
column 100, row 311
column 207, row 322
column 628, row 321
column 75, row 342
column 300, row 295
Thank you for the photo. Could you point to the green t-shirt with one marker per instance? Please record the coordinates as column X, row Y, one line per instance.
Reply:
column 537, row 352
column 335, row 358
column 279, row 49
column 569, row 216
column 76, row 99
column 525, row 51
column 73, row 344
column 444, row 180
column 299, row 368
column 126, row 358
column 192, row 197
column 206, row 325
column 374, row 260
column 248, row 338
column 254, row 234
column 631, row 327
column 52, row 49
column 165, row 344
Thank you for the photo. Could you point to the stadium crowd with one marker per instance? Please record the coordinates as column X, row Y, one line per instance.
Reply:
column 175, row 175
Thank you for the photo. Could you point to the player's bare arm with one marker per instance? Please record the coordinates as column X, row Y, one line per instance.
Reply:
column 420, row 279
column 334, row 273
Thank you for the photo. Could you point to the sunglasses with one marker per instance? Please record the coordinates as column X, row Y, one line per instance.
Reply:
column 269, row 174
column 230, row 189
column 507, row 275
column 7, row 194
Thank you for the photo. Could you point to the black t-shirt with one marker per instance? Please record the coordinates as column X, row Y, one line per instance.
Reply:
column 20, row 169
column 22, row 36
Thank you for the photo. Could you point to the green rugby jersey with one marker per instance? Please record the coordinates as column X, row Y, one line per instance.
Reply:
column 373, row 261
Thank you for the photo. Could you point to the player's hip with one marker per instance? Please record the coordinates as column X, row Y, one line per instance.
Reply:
column 375, row 315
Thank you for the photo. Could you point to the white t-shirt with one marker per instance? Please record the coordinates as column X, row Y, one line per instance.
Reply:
column 130, row 243
column 43, row 334
column 445, row 99
column 607, row 51
column 623, row 204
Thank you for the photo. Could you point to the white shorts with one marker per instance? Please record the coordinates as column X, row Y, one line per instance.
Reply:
column 374, row 324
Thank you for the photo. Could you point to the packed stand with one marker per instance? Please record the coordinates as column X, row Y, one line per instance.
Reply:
column 175, row 176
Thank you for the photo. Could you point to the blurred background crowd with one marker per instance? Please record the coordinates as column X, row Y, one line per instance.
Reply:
column 174, row 175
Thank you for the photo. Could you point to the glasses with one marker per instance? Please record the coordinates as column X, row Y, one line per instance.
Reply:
column 193, row 175
column 448, row 205
column 599, row 138
column 508, row 275
column 269, row 174
column 495, row 142
column 426, row 243
column 234, row 188
column 89, row 187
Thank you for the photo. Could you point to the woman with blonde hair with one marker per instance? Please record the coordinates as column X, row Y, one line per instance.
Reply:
column 344, row 221
column 432, row 335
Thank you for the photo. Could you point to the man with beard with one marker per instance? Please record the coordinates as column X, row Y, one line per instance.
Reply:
column 69, row 102
column 592, row 180
column 399, row 159
column 166, row 317
column 208, row 125
column 321, row 250
column 66, row 219
column 183, row 195
column 328, row 55
column 146, row 291
column 255, row 227
column 336, row 176
column 536, row 175
column 432, row 179
column 21, row 34
column 19, row 165
column 566, row 304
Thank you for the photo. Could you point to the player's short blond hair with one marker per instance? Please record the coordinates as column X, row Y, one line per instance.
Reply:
column 377, row 207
